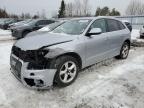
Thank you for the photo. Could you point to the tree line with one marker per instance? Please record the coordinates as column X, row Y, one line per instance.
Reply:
column 5, row 14
column 82, row 8
column 135, row 7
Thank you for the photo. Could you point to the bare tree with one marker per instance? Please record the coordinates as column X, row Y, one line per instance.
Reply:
column 78, row 8
column 141, row 9
column 43, row 14
column 86, row 7
column 54, row 14
column 69, row 9
column 136, row 7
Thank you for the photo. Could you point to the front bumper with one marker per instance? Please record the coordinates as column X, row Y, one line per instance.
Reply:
column 36, row 79
column 16, row 33
column 1, row 26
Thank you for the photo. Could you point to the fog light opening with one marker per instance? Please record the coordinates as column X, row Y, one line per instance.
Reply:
column 29, row 82
column 39, row 83
column 32, row 74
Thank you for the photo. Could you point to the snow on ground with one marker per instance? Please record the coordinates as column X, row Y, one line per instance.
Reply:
column 5, row 35
column 109, row 84
column 135, row 34
column 5, row 32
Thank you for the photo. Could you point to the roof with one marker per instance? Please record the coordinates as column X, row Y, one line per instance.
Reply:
column 94, row 18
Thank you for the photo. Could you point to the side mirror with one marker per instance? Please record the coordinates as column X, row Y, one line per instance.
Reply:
column 95, row 31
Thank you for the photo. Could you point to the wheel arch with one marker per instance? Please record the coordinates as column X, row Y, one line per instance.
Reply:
column 73, row 54
column 26, row 30
column 128, row 41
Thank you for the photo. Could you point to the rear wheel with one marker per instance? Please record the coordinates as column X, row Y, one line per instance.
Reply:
column 124, row 51
column 67, row 70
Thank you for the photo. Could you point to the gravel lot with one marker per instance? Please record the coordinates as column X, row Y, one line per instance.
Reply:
column 109, row 84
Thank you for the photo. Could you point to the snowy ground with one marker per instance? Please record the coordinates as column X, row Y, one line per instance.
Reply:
column 5, row 32
column 5, row 35
column 110, row 84
column 135, row 34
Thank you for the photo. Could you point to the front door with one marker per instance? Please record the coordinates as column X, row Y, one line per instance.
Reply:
column 97, row 45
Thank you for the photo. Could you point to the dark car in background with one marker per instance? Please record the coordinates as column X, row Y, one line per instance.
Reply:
column 47, row 28
column 11, row 26
column 2, row 21
column 22, row 30
column 6, row 22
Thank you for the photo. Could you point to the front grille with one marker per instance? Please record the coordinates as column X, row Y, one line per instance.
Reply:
column 35, row 60
column 24, row 55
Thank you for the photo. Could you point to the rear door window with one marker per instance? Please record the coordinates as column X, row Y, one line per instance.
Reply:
column 112, row 25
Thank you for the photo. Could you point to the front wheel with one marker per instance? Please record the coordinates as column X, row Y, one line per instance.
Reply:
column 67, row 70
column 124, row 51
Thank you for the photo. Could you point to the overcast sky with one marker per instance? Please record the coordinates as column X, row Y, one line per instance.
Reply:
column 51, row 6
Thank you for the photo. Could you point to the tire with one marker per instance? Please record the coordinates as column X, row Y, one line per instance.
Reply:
column 141, row 36
column 25, row 33
column 5, row 27
column 124, row 51
column 65, row 76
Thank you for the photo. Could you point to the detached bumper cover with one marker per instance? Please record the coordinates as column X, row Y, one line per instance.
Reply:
column 37, row 79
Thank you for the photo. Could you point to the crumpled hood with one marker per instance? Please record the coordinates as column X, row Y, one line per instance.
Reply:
column 43, row 39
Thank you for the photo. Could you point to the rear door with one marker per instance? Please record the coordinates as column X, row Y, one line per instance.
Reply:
column 116, row 34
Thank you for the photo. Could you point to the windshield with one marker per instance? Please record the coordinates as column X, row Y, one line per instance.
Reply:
column 31, row 22
column 73, row 27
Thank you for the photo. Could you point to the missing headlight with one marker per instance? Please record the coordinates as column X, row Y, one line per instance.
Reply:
column 42, row 52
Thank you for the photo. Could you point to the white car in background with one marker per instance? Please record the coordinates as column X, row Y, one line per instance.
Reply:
column 142, row 32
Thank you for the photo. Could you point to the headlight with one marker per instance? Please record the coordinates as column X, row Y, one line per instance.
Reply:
column 42, row 52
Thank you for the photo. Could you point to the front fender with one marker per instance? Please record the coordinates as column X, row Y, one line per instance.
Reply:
column 53, row 53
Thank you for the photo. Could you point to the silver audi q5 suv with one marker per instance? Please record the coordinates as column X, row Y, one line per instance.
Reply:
column 56, row 57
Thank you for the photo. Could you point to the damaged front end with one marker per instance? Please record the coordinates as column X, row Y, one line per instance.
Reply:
column 35, row 69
